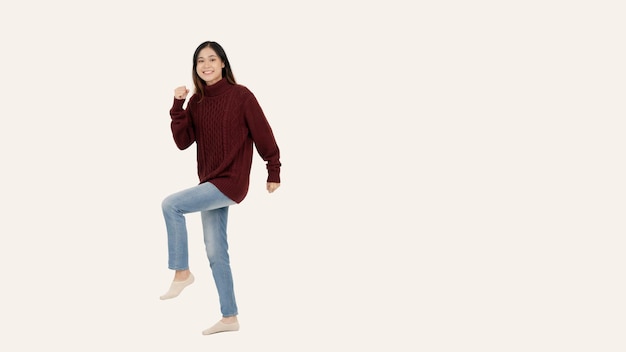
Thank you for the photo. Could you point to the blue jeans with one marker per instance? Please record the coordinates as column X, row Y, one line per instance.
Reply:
column 213, row 207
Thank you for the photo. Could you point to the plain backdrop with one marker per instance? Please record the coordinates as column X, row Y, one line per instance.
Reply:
column 453, row 176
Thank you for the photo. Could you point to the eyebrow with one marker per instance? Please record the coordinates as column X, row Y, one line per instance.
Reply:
column 200, row 57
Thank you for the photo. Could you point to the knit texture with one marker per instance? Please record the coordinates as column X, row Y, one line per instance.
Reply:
column 226, row 125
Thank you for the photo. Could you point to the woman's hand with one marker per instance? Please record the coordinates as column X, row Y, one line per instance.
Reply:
column 272, row 186
column 181, row 92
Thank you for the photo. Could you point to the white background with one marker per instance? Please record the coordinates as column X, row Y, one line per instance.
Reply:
column 453, row 176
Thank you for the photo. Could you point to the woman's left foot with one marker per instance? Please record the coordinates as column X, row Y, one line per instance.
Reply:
column 221, row 327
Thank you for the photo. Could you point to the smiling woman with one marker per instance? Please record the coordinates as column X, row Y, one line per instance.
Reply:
column 225, row 121
column 209, row 66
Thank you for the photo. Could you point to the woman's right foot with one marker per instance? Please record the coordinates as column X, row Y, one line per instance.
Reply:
column 177, row 287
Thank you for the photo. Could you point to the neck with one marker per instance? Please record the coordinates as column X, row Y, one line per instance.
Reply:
column 217, row 88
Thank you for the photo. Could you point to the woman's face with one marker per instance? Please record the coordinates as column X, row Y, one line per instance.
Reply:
column 209, row 66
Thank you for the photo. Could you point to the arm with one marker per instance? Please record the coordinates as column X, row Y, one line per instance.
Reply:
column 181, row 125
column 264, row 140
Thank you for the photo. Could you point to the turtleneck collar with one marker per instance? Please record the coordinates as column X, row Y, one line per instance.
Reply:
column 217, row 88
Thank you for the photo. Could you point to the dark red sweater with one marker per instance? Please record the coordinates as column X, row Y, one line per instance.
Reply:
column 225, row 124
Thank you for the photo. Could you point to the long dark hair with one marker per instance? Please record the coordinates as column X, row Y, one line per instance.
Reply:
column 227, row 72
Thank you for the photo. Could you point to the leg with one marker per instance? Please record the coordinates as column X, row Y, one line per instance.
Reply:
column 214, row 223
column 198, row 198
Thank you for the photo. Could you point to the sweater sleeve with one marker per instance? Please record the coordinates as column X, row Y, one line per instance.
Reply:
column 181, row 125
column 263, row 137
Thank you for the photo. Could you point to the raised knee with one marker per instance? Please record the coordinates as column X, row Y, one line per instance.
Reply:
column 167, row 205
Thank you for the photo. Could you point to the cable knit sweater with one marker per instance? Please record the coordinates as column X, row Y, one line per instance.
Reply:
column 225, row 125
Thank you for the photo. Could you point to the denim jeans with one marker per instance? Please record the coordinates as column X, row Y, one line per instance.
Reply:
column 213, row 207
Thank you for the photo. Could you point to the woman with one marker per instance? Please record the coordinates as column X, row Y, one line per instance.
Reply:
column 226, row 122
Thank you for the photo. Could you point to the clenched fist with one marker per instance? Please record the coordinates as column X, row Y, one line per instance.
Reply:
column 181, row 92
